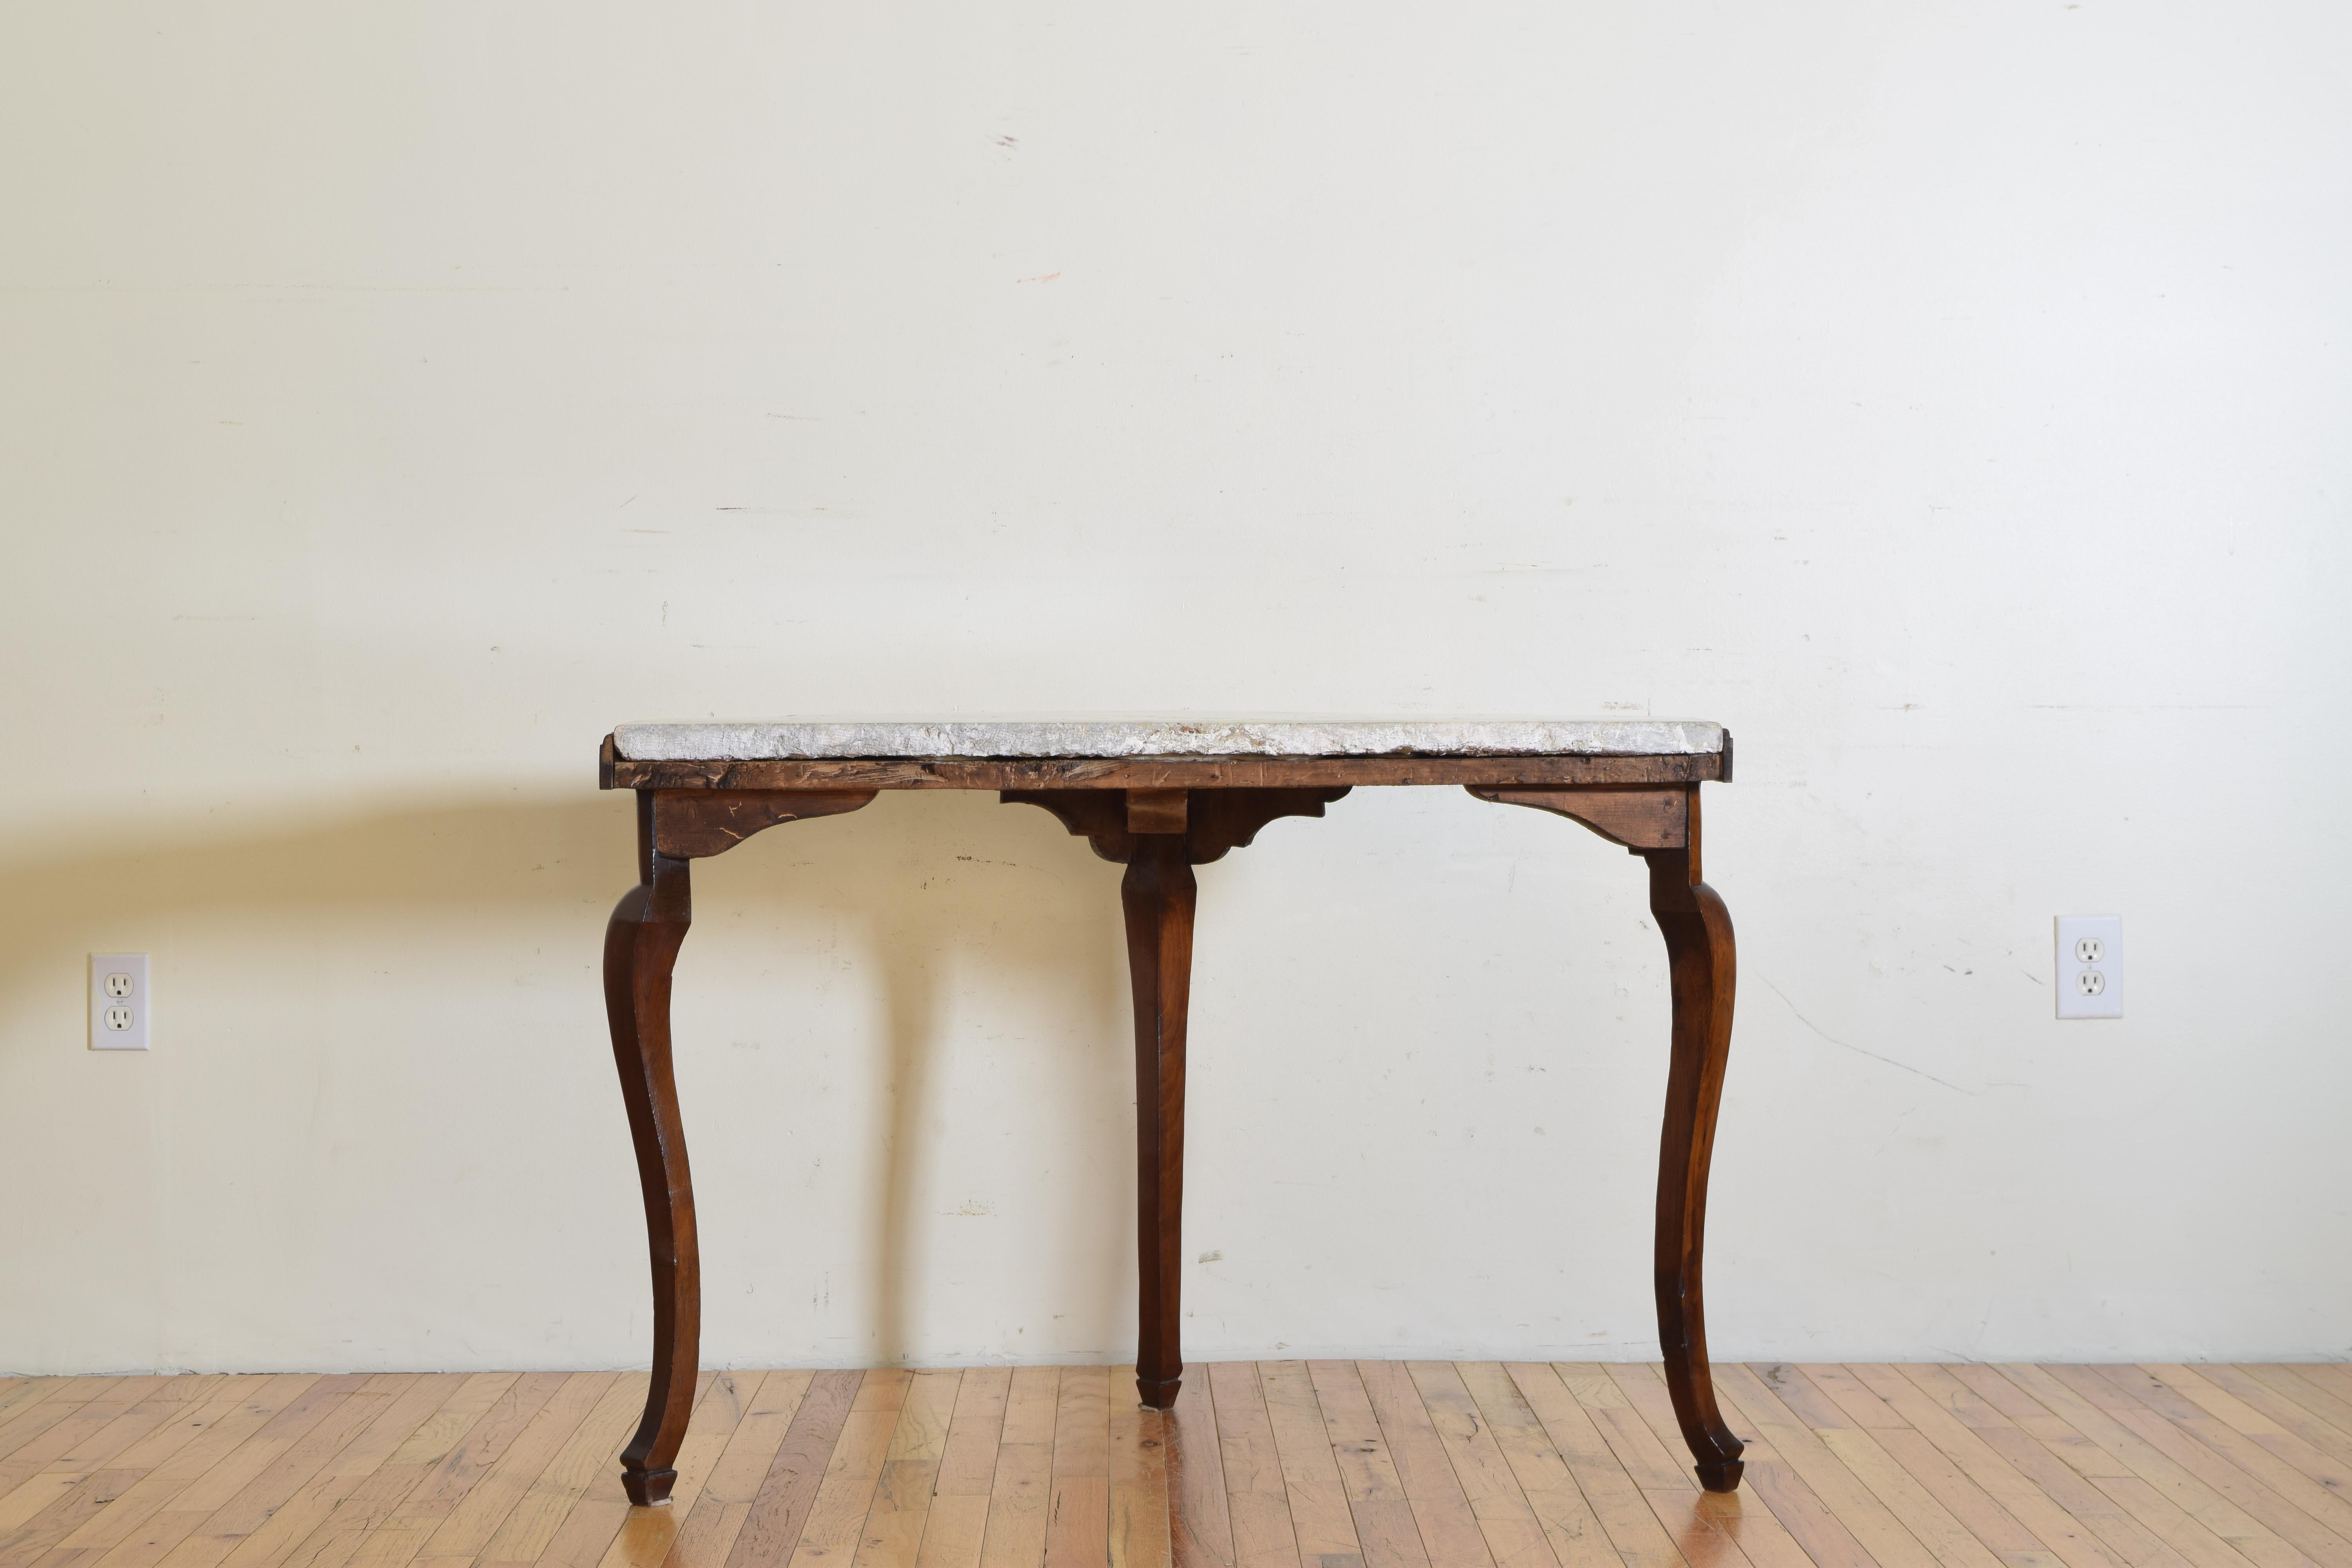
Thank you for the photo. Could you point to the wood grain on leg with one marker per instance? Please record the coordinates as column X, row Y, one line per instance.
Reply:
column 1697, row 930
column 1158, row 893
column 640, row 948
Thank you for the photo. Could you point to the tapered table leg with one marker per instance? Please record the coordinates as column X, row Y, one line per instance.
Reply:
column 640, row 947
column 1697, row 930
column 1157, row 894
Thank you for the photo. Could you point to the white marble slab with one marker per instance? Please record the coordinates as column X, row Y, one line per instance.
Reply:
column 760, row 741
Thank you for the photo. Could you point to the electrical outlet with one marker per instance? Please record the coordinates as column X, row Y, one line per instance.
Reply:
column 118, row 1002
column 2090, row 966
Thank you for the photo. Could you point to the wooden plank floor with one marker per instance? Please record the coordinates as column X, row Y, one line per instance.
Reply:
column 1265, row 1465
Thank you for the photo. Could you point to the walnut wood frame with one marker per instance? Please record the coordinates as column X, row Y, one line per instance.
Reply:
column 1159, row 817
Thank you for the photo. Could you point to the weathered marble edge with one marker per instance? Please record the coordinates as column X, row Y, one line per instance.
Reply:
column 754, row 741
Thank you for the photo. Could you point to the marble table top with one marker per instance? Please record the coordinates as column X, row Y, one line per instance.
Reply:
column 721, row 740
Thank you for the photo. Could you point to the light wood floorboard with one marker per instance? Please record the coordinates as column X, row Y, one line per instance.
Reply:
column 1262, row 1465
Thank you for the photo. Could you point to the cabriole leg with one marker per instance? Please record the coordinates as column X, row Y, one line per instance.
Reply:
column 640, row 947
column 1697, row 930
column 1157, row 894
column 673, row 828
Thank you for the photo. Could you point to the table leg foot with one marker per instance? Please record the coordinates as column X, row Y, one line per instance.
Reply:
column 1722, row 1477
column 650, row 1488
column 1159, row 1393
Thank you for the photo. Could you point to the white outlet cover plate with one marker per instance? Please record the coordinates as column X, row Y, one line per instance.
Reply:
column 2108, row 931
column 135, row 1000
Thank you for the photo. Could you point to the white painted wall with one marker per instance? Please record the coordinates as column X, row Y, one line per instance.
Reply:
column 1952, row 398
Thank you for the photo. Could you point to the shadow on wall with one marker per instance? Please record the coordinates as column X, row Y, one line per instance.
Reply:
column 471, row 872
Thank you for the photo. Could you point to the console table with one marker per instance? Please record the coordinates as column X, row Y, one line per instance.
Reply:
column 1160, row 798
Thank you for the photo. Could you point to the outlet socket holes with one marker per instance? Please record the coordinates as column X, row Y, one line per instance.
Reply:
column 119, row 1001
column 2090, row 964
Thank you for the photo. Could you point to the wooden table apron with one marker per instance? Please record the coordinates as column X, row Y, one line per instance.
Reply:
column 1159, row 817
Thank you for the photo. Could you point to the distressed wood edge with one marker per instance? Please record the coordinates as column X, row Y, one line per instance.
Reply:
column 1594, row 770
